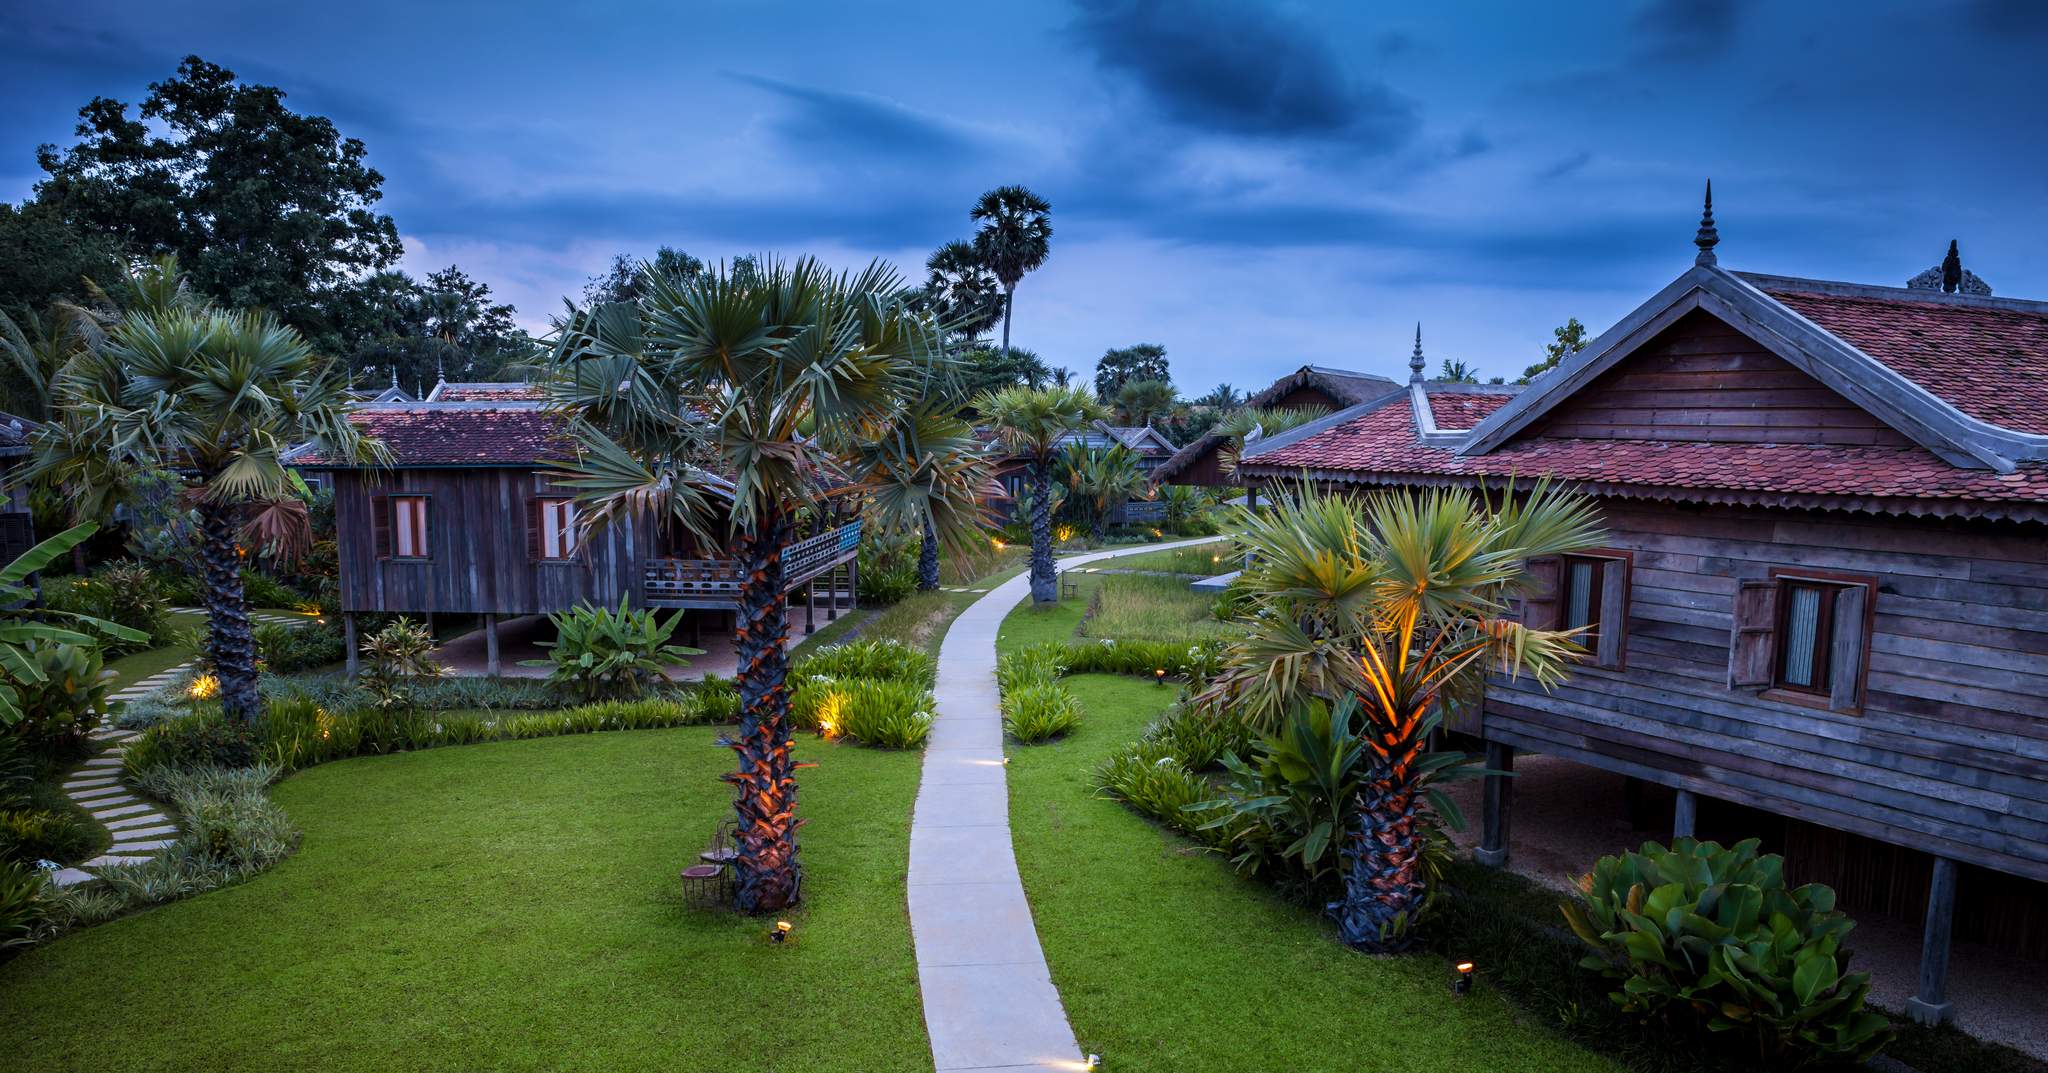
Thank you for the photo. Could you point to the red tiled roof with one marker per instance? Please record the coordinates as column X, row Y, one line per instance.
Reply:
column 1988, row 362
column 467, row 436
column 1381, row 446
column 1455, row 412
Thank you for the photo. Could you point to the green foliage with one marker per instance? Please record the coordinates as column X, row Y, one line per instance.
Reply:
column 262, row 590
column 1101, row 480
column 720, row 699
column 885, row 659
column 1150, row 778
column 63, row 699
column 285, row 649
column 19, row 627
column 1197, row 662
column 395, row 658
column 123, row 592
column 1120, row 365
column 889, row 714
column 1137, row 608
column 26, row 905
column 888, row 567
column 200, row 739
column 601, row 654
column 1291, row 807
column 1035, row 665
column 1571, row 338
column 28, row 835
column 230, row 824
column 1040, row 711
column 1711, row 938
column 1200, row 739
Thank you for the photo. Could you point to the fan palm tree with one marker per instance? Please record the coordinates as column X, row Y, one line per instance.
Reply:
column 962, row 291
column 1030, row 422
column 1106, row 479
column 221, row 397
column 726, row 403
column 35, row 349
column 1222, row 397
column 1014, row 239
column 1265, row 421
column 925, row 464
column 1139, row 401
column 1392, row 607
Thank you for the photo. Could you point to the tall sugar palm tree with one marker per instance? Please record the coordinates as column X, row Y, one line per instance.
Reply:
column 962, row 291
column 1014, row 239
column 221, row 397
column 925, row 465
column 1389, row 608
column 728, row 403
column 1031, row 422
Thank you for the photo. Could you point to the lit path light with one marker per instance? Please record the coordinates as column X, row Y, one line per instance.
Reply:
column 988, row 996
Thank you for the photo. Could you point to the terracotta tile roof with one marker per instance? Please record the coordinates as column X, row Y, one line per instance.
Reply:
column 1460, row 411
column 429, row 435
column 1381, row 446
column 1989, row 362
column 505, row 392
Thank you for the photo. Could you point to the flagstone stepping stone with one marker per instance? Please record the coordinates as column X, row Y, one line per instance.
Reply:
column 70, row 877
column 104, row 761
column 111, row 861
column 146, row 819
column 146, row 846
column 87, row 784
column 95, row 794
column 147, row 832
column 124, row 810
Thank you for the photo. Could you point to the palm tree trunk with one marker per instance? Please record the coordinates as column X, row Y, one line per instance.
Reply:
column 766, row 873
column 1009, row 303
column 1045, row 587
column 928, row 558
column 230, row 644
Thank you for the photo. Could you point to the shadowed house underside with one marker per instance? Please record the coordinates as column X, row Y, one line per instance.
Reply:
column 469, row 521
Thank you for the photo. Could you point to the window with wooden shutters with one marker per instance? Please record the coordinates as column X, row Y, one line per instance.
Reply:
column 554, row 529
column 1804, row 637
column 380, row 525
column 1593, row 597
column 1540, row 601
column 409, row 527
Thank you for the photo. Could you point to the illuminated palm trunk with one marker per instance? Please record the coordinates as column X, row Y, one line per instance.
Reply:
column 1044, row 585
column 230, row 643
column 1383, row 884
column 766, row 873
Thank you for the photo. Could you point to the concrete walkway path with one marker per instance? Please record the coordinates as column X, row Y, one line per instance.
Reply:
column 989, row 1002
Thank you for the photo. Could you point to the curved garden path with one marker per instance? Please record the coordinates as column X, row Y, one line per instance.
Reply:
column 989, row 1002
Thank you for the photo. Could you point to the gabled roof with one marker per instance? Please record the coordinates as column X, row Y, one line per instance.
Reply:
column 1348, row 388
column 1144, row 439
column 444, row 435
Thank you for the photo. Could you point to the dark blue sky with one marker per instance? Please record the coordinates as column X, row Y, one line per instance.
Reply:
column 1253, row 186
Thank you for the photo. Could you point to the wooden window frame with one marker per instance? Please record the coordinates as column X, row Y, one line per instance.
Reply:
column 426, row 527
column 1603, row 626
column 1827, row 632
column 540, row 521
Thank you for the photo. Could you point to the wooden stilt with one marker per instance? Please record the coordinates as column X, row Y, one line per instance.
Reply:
column 348, row 642
column 832, row 594
column 1931, row 1005
column 1497, row 795
column 491, row 645
column 853, row 585
column 1685, row 816
column 811, row 605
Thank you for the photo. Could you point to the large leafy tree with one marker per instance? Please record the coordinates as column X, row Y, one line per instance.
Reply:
column 1031, row 422
column 982, row 369
column 264, row 207
column 422, row 329
column 1118, row 365
column 1383, row 610
column 1140, row 402
column 729, row 403
column 44, row 259
column 1570, row 339
column 218, row 396
column 1014, row 239
column 620, row 281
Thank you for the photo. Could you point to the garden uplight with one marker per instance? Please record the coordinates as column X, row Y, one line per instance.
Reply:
column 781, row 932
column 1462, row 984
column 1159, row 676
column 204, row 687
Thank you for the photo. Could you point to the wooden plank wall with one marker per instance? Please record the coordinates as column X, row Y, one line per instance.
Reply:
column 1702, row 380
column 1950, row 753
column 477, row 532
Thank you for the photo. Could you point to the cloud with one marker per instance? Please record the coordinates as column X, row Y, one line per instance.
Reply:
column 1566, row 166
column 826, row 119
column 1686, row 29
column 1241, row 71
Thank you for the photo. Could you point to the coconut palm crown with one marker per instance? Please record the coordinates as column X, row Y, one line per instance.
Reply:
column 730, row 402
column 1031, row 422
column 1392, row 607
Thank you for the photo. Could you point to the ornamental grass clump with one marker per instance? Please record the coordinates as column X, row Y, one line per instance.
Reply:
column 1040, row 711
column 1036, row 665
column 884, row 659
column 1151, row 779
column 1711, row 940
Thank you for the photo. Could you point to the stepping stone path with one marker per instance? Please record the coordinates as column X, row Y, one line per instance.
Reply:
column 138, row 827
column 989, row 1000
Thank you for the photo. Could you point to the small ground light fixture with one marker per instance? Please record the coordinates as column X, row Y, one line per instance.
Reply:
column 780, row 933
column 1159, row 676
column 1094, row 1062
column 1462, row 983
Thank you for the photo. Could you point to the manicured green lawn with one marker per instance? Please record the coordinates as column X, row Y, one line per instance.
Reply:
column 1166, row 960
column 1204, row 559
column 511, row 906
column 136, row 666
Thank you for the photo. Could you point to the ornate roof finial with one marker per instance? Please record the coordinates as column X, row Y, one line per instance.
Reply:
column 440, row 368
column 1707, row 238
column 1952, row 270
column 1415, row 359
column 394, row 374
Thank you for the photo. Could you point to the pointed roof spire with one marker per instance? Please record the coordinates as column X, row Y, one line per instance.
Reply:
column 1707, row 238
column 394, row 374
column 1952, row 270
column 1415, row 359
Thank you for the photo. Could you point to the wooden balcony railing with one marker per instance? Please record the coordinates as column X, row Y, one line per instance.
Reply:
column 714, row 583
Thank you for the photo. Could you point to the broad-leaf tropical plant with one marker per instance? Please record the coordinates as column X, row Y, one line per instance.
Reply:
column 1031, row 422
column 219, row 397
column 1401, row 600
column 724, row 403
column 20, row 668
column 1104, row 478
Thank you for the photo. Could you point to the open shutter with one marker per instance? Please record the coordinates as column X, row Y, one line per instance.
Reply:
column 1845, row 662
column 1540, row 608
column 1755, row 629
column 1612, row 647
column 380, row 525
column 534, row 548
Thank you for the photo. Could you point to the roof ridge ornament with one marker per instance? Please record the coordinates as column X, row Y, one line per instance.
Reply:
column 1707, row 238
column 1415, row 360
column 1950, row 277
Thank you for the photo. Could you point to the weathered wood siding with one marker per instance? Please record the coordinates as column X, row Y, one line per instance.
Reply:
column 476, row 531
column 1702, row 380
column 1950, row 751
